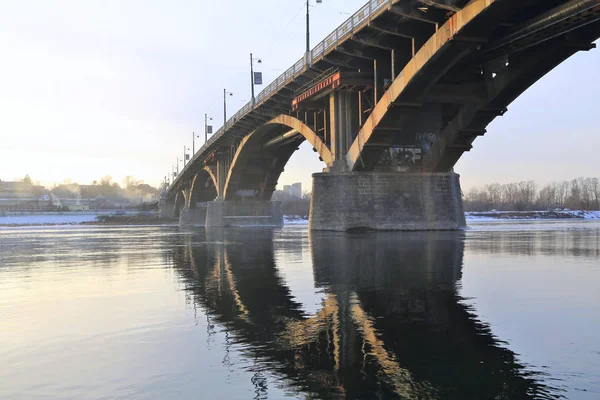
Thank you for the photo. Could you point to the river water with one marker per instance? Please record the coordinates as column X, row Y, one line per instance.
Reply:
column 503, row 310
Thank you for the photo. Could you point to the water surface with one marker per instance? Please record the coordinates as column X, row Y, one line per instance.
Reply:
column 504, row 310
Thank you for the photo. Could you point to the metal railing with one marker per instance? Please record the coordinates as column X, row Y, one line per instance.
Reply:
column 356, row 21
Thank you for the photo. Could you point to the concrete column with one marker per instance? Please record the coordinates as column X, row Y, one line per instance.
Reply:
column 221, row 177
column 343, row 124
column 343, row 201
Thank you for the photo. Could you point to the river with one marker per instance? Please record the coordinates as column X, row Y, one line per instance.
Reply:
column 504, row 310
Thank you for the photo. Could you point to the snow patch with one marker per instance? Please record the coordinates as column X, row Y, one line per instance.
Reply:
column 532, row 215
column 41, row 219
column 295, row 220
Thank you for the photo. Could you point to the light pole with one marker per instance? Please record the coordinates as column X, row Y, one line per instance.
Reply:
column 207, row 128
column 194, row 136
column 177, row 165
column 308, row 26
column 258, row 60
column 225, row 93
column 185, row 155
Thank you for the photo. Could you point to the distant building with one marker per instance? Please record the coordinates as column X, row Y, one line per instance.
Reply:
column 294, row 190
column 22, row 195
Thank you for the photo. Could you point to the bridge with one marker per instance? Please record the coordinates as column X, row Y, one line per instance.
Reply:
column 389, row 102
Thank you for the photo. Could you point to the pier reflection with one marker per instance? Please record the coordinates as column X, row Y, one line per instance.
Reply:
column 391, row 323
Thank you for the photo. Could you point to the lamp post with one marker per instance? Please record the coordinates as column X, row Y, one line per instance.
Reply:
column 194, row 136
column 258, row 60
column 308, row 26
column 185, row 155
column 225, row 93
column 207, row 128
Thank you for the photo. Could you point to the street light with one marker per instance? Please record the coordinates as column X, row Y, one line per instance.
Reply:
column 225, row 93
column 194, row 136
column 252, row 80
column 207, row 128
column 308, row 27
column 186, row 156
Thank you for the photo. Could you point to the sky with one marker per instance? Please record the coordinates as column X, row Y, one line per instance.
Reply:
column 89, row 89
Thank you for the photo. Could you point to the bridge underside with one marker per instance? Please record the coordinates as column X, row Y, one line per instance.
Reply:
column 406, row 92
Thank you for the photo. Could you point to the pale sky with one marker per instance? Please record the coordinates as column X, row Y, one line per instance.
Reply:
column 117, row 87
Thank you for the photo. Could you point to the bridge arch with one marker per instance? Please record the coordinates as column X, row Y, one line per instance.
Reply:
column 204, row 187
column 262, row 155
column 180, row 202
column 472, row 76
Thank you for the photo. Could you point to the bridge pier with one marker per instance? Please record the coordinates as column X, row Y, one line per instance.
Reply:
column 192, row 216
column 221, row 213
column 166, row 207
column 401, row 201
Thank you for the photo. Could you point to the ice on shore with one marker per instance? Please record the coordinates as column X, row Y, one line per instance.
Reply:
column 46, row 219
column 532, row 215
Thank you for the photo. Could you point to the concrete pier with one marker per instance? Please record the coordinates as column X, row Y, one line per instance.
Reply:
column 343, row 201
column 166, row 207
column 193, row 216
column 244, row 213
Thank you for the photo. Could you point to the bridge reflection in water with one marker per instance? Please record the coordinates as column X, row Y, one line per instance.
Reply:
column 391, row 323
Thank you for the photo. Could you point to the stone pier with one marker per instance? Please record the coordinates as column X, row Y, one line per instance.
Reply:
column 221, row 213
column 193, row 216
column 400, row 201
column 166, row 207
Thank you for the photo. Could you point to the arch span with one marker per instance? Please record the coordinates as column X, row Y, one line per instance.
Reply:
column 261, row 157
column 180, row 202
column 204, row 187
column 470, row 74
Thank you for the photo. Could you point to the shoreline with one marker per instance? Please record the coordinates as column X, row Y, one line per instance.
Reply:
column 53, row 219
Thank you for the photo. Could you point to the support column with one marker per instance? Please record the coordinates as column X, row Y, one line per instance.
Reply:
column 343, row 125
column 221, row 177
column 343, row 201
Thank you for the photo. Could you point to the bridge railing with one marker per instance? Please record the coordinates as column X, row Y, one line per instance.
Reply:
column 356, row 21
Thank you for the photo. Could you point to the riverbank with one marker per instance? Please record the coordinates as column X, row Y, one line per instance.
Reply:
column 145, row 218
column 59, row 219
column 532, row 215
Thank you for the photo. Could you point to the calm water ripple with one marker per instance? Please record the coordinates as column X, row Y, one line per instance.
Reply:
column 504, row 310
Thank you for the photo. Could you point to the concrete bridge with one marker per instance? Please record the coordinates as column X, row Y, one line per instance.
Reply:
column 389, row 101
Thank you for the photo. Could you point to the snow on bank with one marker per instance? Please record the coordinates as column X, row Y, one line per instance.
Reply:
column 49, row 219
column 295, row 220
column 531, row 215
column 494, row 216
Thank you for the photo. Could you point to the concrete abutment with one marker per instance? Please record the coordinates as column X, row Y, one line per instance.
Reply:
column 343, row 201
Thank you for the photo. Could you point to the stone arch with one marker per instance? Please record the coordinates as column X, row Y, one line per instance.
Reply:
column 204, row 187
column 257, row 165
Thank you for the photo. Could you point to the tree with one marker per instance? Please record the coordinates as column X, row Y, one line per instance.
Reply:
column 130, row 182
column 106, row 180
column 596, row 192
